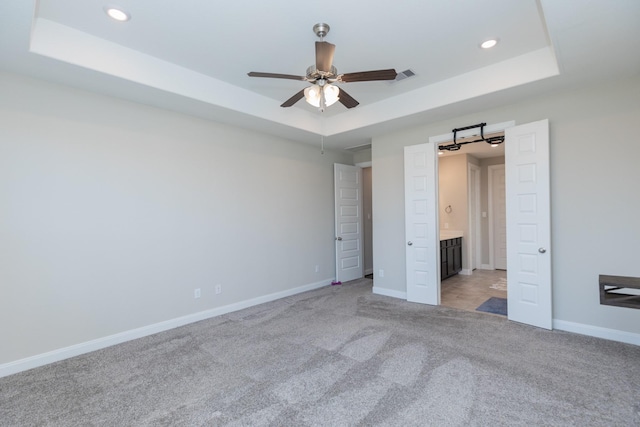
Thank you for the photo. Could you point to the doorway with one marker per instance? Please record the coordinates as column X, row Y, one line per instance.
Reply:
column 465, row 206
column 528, row 221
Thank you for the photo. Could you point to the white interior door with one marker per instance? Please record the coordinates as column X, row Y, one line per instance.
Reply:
column 528, row 224
column 498, row 215
column 421, row 224
column 348, row 222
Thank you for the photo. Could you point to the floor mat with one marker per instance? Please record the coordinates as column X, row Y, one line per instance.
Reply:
column 494, row 305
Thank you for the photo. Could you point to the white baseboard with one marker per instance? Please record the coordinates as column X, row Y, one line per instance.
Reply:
column 100, row 343
column 486, row 267
column 390, row 293
column 466, row 272
column 598, row 332
column 368, row 271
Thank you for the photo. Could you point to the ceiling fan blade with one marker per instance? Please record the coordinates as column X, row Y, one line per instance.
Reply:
column 295, row 98
column 367, row 76
column 347, row 100
column 324, row 56
column 275, row 76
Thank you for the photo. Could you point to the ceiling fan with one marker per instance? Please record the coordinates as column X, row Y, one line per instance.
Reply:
column 323, row 74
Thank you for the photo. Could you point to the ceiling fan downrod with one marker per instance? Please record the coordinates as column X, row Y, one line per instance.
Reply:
column 321, row 30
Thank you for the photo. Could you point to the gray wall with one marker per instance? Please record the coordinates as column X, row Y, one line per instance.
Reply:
column 112, row 213
column 362, row 156
column 594, row 195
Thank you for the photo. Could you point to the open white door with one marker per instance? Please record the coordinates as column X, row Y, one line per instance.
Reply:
column 528, row 224
column 348, row 221
column 421, row 224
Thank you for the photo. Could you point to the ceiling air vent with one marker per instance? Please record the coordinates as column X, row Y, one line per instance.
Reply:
column 359, row 147
column 404, row 75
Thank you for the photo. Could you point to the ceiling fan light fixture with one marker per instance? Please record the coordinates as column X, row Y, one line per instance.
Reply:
column 331, row 95
column 312, row 95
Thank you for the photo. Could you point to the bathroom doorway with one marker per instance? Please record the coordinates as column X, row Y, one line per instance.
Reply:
column 528, row 221
column 471, row 203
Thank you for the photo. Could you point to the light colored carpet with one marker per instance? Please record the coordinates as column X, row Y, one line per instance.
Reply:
column 338, row 356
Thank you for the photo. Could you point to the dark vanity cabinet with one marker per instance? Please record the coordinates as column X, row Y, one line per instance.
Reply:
column 450, row 257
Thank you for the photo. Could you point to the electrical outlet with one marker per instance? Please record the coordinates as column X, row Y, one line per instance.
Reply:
column 218, row 289
column 381, row 273
column 196, row 293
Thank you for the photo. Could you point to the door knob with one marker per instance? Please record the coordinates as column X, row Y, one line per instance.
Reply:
column 409, row 243
column 338, row 238
column 542, row 250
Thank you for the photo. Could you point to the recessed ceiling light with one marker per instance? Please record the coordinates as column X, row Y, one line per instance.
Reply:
column 117, row 14
column 489, row 44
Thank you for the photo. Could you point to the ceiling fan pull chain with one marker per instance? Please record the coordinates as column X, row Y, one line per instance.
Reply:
column 323, row 100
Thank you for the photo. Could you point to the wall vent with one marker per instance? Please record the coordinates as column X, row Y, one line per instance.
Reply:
column 620, row 291
column 404, row 75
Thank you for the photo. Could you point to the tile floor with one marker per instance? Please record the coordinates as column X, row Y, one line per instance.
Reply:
column 469, row 292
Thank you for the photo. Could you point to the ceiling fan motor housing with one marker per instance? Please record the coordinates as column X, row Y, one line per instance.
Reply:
column 314, row 74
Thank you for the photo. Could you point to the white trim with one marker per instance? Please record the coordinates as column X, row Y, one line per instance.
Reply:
column 486, row 267
column 368, row 271
column 364, row 164
column 597, row 331
column 389, row 293
column 100, row 343
column 466, row 272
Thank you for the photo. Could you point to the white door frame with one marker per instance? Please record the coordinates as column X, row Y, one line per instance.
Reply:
column 439, row 139
column 543, row 318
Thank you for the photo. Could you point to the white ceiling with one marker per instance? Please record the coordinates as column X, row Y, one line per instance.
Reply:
column 193, row 57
